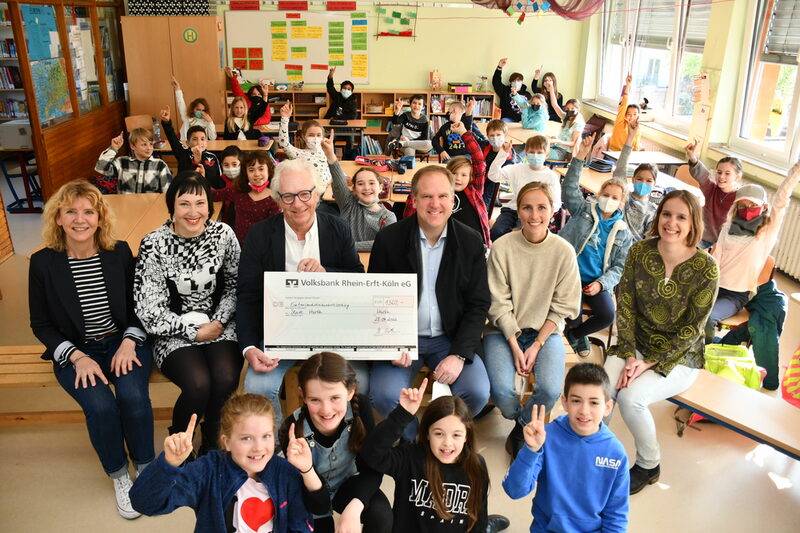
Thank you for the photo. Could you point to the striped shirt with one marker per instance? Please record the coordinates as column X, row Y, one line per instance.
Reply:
column 93, row 296
column 132, row 175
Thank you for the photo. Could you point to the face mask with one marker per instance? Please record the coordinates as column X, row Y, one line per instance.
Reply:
column 570, row 112
column 608, row 205
column 641, row 188
column 313, row 143
column 497, row 140
column 536, row 160
column 259, row 188
column 749, row 213
column 516, row 85
column 346, row 93
column 198, row 114
column 535, row 107
column 232, row 172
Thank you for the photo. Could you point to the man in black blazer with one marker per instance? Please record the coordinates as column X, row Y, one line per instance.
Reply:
column 453, row 291
column 297, row 240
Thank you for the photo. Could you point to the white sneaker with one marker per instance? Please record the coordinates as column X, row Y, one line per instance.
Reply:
column 122, row 487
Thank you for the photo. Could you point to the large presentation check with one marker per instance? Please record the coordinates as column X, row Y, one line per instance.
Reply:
column 359, row 316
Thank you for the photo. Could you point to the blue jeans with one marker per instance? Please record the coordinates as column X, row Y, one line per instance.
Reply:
column 509, row 120
column 705, row 245
column 269, row 383
column 386, row 380
column 602, row 316
column 728, row 303
column 506, row 221
column 548, row 371
column 117, row 418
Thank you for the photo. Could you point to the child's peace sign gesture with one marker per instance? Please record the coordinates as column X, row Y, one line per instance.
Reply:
column 298, row 453
column 177, row 447
column 534, row 431
column 411, row 398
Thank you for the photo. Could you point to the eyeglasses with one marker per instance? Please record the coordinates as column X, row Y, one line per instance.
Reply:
column 288, row 198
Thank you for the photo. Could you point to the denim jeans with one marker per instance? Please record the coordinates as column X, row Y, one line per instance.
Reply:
column 634, row 400
column 506, row 221
column 114, row 419
column 386, row 380
column 728, row 303
column 269, row 383
column 548, row 371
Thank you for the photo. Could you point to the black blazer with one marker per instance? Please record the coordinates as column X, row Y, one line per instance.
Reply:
column 264, row 250
column 54, row 306
column 462, row 286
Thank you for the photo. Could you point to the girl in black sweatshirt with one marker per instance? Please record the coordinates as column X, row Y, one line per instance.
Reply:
column 441, row 483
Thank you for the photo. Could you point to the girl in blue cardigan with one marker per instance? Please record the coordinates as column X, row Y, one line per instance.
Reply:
column 245, row 488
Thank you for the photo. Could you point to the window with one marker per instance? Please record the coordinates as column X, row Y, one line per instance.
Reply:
column 660, row 43
column 768, row 122
column 112, row 58
column 81, row 48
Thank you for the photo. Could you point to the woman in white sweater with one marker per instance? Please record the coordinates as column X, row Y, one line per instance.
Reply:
column 535, row 286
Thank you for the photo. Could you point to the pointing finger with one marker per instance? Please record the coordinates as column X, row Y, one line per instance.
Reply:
column 192, row 423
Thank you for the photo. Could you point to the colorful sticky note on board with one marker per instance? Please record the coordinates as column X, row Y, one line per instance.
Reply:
column 315, row 66
column 380, row 10
column 293, row 67
column 296, row 23
column 358, row 15
column 278, row 23
column 239, row 52
column 336, row 24
column 336, row 63
column 359, row 46
column 256, row 64
column 396, row 14
column 412, row 15
column 360, row 22
column 292, row 15
column 279, row 36
column 388, row 20
column 405, row 22
column 394, row 32
column 255, row 53
column 240, row 63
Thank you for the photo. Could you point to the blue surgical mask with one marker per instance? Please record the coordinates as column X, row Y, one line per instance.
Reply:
column 198, row 114
column 346, row 93
column 497, row 140
column 536, row 160
column 516, row 85
column 641, row 188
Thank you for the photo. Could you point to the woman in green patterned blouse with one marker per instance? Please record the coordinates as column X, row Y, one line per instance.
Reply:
column 665, row 296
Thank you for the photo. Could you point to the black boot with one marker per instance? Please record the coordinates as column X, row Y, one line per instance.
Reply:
column 515, row 441
column 641, row 477
column 497, row 522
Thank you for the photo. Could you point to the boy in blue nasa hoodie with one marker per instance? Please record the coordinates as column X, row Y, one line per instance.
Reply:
column 581, row 472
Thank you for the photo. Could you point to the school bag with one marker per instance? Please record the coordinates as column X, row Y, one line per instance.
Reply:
column 790, row 388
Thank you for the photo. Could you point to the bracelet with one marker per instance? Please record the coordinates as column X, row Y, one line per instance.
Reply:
column 79, row 358
column 539, row 341
column 310, row 468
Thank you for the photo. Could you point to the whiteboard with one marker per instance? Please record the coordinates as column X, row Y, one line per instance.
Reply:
column 288, row 46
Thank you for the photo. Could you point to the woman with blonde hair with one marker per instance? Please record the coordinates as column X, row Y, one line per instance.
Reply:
column 81, row 308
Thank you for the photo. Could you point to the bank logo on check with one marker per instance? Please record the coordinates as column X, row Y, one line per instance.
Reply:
column 293, row 283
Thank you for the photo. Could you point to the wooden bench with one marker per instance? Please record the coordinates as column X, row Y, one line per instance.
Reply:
column 764, row 419
column 22, row 366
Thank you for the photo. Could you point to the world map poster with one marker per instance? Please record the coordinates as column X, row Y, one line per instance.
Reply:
column 50, row 85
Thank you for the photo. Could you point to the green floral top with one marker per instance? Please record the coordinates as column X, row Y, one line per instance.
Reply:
column 664, row 318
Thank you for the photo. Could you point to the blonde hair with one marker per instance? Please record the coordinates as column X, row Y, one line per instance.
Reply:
column 140, row 133
column 460, row 105
column 460, row 161
column 229, row 122
column 536, row 186
column 53, row 234
column 496, row 125
column 239, row 406
column 540, row 97
column 538, row 142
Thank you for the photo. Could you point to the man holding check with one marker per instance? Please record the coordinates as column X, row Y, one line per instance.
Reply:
column 297, row 240
column 453, row 292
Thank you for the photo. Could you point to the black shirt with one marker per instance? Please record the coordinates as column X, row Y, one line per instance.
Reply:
column 464, row 212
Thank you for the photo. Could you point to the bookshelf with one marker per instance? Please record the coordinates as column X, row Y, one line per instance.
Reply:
column 12, row 93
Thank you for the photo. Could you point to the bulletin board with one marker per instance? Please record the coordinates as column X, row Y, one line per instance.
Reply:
column 299, row 46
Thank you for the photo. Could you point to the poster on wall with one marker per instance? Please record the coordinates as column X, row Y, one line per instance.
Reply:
column 41, row 33
column 50, row 85
column 298, row 46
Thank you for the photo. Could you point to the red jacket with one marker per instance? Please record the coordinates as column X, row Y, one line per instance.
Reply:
column 474, row 190
column 236, row 89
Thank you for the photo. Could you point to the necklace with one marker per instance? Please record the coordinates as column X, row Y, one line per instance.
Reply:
column 723, row 198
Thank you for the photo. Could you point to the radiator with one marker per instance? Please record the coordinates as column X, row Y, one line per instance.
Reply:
column 787, row 250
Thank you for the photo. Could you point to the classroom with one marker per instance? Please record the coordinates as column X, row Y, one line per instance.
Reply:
column 188, row 182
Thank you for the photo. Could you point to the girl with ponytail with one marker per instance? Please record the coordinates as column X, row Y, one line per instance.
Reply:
column 334, row 420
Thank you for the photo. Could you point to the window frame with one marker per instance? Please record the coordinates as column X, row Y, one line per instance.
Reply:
column 749, row 67
column 663, row 117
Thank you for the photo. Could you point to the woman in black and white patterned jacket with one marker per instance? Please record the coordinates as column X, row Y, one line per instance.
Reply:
column 185, row 291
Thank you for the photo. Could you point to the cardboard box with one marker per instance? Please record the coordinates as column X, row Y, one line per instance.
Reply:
column 16, row 135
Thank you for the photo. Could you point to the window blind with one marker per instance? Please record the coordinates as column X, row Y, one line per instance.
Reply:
column 783, row 33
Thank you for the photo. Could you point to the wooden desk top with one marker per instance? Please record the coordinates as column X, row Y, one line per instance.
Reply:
column 592, row 180
column 519, row 135
column 359, row 124
column 220, row 145
column 769, row 419
column 645, row 156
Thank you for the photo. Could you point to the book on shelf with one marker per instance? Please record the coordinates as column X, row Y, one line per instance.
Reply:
column 8, row 49
column 370, row 146
column 11, row 108
column 10, row 78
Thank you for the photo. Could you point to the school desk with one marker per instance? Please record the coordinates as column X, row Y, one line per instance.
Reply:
column 592, row 180
column 519, row 135
column 350, row 167
column 646, row 156
column 220, row 145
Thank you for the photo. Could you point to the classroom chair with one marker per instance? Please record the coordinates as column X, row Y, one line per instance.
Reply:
column 139, row 121
column 685, row 176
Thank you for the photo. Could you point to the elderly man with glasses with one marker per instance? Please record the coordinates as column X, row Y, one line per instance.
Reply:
column 298, row 240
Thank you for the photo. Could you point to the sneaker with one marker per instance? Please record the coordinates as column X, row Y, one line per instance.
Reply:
column 497, row 523
column 122, row 487
column 641, row 477
column 582, row 346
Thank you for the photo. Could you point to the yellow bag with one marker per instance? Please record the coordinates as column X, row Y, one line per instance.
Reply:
column 790, row 388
